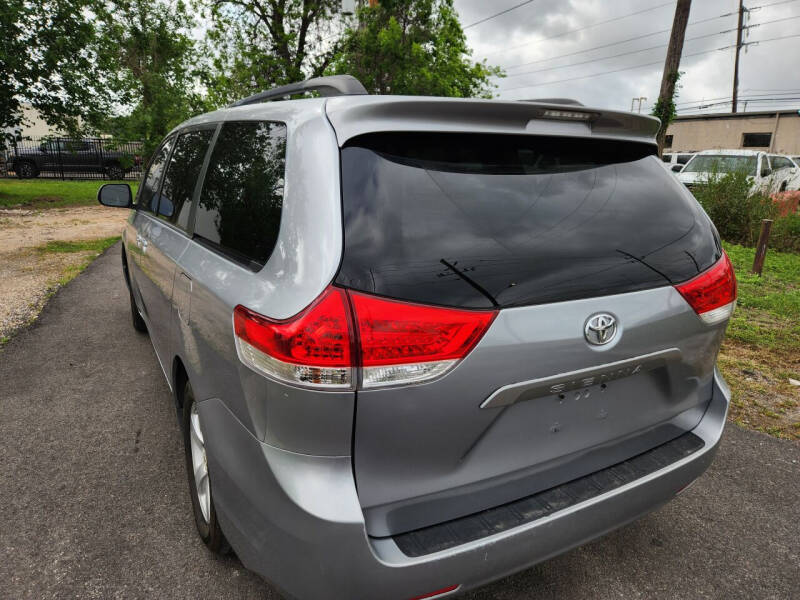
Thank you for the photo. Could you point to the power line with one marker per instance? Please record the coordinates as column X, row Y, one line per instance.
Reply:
column 643, row 65
column 647, row 35
column 502, row 12
column 586, row 62
column 533, row 43
column 552, row 37
column 773, row 4
column 650, row 64
column 697, row 37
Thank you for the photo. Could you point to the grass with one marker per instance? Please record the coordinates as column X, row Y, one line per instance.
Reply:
column 95, row 247
column 78, row 246
column 42, row 193
column 762, row 347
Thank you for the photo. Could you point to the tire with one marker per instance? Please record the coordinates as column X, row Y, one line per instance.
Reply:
column 136, row 318
column 25, row 169
column 205, row 515
column 138, row 322
column 115, row 171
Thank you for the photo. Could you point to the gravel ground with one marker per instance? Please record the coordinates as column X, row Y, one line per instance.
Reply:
column 27, row 276
column 94, row 501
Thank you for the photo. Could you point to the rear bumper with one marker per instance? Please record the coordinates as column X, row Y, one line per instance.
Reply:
column 296, row 520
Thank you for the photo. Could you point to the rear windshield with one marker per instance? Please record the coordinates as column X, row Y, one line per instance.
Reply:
column 721, row 163
column 477, row 220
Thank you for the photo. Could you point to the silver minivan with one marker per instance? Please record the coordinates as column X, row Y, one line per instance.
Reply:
column 417, row 344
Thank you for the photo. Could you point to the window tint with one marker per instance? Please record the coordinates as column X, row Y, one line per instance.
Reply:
column 478, row 220
column 175, row 201
column 722, row 163
column 779, row 162
column 148, row 193
column 239, row 211
column 684, row 158
column 756, row 140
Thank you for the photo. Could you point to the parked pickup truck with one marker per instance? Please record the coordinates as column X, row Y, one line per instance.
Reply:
column 764, row 176
column 71, row 156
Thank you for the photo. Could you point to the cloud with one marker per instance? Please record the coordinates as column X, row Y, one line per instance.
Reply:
column 611, row 74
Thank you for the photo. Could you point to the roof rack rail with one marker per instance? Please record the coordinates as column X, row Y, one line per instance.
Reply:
column 333, row 85
column 567, row 101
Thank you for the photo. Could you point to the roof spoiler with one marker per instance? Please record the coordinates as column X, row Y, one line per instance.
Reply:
column 333, row 85
column 567, row 101
column 375, row 113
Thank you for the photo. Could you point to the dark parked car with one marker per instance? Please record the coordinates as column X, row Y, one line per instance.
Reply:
column 71, row 156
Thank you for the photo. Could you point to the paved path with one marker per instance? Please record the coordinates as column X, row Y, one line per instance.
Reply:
column 94, row 501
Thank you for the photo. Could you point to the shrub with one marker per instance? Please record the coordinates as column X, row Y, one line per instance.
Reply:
column 735, row 211
column 785, row 234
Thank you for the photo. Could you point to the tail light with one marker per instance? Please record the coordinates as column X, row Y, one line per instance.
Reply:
column 438, row 593
column 313, row 347
column 405, row 343
column 389, row 343
column 712, row 294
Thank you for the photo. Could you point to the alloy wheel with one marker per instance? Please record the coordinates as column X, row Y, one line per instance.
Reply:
column 199, row 463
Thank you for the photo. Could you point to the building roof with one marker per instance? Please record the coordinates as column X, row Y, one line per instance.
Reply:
column 739, row 115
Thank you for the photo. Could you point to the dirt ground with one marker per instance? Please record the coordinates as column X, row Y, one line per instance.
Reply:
column 28, row 275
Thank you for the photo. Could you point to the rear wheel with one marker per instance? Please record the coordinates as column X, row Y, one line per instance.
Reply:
column 205, row 515
column 115, row 171
column 25, row 169
column 138, row 322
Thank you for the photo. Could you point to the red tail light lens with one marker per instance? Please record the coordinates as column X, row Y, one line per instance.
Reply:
column 712, row 294
column 312, row 347
column 398, row 342
column 437, row 593
column 404, row 343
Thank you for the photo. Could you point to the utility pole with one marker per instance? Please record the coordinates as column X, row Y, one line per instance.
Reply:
column 736, row 60
column 671, row 65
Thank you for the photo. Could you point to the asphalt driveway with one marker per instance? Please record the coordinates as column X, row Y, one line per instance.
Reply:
column 94, row 501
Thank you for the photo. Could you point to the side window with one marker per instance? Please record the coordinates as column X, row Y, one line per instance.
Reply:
column 239, row 211
column 148, row 194
column 683, row 158
column 779, row 162
column 175, row 201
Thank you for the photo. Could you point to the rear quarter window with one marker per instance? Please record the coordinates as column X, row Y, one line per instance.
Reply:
column 239, row 210
column 175, row 200
column 477, row 220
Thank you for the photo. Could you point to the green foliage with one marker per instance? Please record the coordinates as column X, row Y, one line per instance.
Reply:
column 768, row 308
column 77, row 246
column 254, row 45
column 148, row 59
column 735, row 211
column 42, row 193
column 785, row 234
column 48, row 59
column 665, row 110
column 414, row 47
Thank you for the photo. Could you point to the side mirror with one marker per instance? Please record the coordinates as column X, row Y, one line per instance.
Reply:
column 677, row 168
column 117, row 195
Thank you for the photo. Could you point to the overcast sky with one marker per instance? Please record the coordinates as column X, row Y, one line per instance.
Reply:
column 770, row 69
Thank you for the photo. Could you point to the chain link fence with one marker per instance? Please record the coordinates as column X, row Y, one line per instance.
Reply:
column 72, row 158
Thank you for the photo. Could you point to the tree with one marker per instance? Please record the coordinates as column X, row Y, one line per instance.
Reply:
column 47, row 59
column 414, row 47
column 147, row 56
column 258, row 44
column 665, row 109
